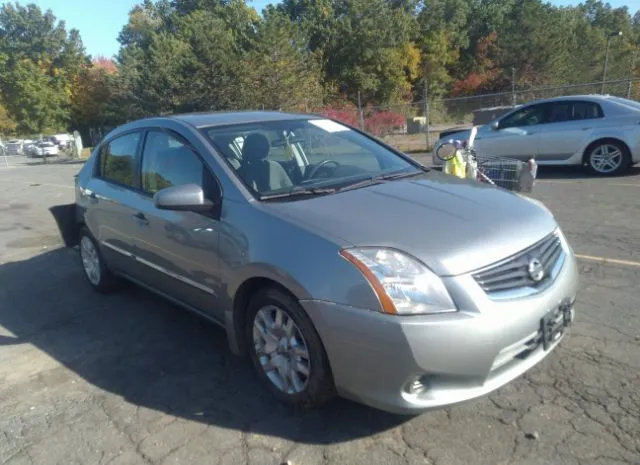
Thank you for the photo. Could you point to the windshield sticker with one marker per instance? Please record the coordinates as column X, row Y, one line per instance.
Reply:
column 328, row 125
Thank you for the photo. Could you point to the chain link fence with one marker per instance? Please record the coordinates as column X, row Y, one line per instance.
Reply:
column 415, row 127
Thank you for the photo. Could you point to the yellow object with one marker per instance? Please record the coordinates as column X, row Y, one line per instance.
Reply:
column 456, row 166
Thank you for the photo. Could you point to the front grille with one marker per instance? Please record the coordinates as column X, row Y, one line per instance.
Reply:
column 514, row 274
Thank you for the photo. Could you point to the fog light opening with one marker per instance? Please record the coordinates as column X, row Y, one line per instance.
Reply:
column 418, row 385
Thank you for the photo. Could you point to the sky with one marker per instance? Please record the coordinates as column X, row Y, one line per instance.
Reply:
column 100, row 21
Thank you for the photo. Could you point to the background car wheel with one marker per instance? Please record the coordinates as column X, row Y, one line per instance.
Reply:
column 95, row 270
column 286, row 350
column 607, row 158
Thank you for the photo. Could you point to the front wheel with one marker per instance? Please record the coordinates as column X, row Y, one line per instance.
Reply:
column 286, row 350
column 608, row 158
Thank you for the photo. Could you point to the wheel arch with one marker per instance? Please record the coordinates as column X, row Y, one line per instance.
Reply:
column 235, row 316
column 600, row 140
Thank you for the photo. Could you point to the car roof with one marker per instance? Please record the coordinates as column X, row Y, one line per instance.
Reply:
column 207, row 119
column 584, row 97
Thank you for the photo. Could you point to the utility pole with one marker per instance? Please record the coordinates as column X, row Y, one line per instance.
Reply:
column 360, row 112
column 426, row 109
column 513, row 87
column 631, row 74
column 606, row 57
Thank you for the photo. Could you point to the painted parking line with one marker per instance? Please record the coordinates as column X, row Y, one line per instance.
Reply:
column 608, row 261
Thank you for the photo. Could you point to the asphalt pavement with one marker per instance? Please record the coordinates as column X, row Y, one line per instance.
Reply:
column 131, row 379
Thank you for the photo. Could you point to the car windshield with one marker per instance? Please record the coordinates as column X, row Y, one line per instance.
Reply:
column 279, row 159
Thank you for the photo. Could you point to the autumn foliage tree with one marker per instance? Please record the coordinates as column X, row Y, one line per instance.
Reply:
column 93, row 95
column 487, row 75
column 203, row 55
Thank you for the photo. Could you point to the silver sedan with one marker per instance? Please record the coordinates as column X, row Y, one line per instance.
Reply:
column 601, row 133
column 335, row 263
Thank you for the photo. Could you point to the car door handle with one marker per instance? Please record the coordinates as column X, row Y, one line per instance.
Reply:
column 140, row 217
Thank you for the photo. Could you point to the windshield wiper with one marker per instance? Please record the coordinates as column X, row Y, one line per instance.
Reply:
column 380, row 178
column 305, row 192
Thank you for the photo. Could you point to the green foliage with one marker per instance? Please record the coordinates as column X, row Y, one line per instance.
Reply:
column 193, row 55
column 40, row 61
column 7, row 125
column 280, row 72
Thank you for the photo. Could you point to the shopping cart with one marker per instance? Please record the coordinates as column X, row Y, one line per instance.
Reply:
column 508, row 173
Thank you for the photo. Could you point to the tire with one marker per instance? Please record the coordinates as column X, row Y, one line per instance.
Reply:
column 607, row 158
column 304, row 391
column 100, row 278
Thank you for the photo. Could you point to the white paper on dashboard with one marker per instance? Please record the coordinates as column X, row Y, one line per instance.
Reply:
column 328, row 125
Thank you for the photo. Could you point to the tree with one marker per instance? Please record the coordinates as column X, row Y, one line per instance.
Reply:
column 7, row 125
column 35, row 99
column 361, row 45
column 280, row 72
column 443, row 34
column 94, row 96
column 41, row 61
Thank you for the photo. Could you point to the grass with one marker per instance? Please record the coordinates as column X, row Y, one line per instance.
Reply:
column 412, row 143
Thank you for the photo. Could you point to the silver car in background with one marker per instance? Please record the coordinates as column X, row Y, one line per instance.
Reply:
column 42, row 149
column 601, row 133
column 336, row 263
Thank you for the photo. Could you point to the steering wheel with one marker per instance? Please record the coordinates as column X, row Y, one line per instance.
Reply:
column 320, row 165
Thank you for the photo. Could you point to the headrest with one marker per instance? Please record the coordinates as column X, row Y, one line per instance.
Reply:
column 255, row 148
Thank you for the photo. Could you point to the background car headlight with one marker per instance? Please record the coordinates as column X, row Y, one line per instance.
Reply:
column 403, row 285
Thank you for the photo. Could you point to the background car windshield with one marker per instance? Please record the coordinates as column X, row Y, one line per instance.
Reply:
column 283, row 156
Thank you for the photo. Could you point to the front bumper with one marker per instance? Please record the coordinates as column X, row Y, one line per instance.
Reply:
column 411, row 364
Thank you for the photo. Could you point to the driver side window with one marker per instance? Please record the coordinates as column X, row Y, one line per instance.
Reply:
column 528, row 116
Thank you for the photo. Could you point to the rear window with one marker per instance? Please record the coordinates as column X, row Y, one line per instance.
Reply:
column 587, row 110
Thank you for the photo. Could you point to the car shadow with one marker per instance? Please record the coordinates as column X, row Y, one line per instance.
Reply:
column 576, row 172
column 153, row 354
column 572, row 173
column 55, row 161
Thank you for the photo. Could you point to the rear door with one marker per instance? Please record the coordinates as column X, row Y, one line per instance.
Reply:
column 178, row 250
column 111, row 197
column 568, row 126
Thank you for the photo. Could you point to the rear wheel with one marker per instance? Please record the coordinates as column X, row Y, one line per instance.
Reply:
column 286, row 350
column 607, row 158
column 95, row 270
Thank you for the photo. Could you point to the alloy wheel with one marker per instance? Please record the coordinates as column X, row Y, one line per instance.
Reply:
column 90, row 260
column 606, row 159
column 281, row 350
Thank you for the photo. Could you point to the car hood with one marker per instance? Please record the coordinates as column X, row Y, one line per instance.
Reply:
column 452, row 225
column 464, row 134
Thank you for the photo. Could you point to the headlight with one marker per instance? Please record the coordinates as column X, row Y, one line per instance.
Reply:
column 403, row 285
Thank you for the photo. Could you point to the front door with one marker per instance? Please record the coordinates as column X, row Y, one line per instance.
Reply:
column 178, row 249
column 517, row 136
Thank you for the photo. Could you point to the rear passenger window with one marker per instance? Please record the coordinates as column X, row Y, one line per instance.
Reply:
column 168, row 162
column 118, row 159
column 586, row 110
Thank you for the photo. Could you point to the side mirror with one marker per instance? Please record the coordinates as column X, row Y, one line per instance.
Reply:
column 446, row 151
column 495, row 125
column 189, row 197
